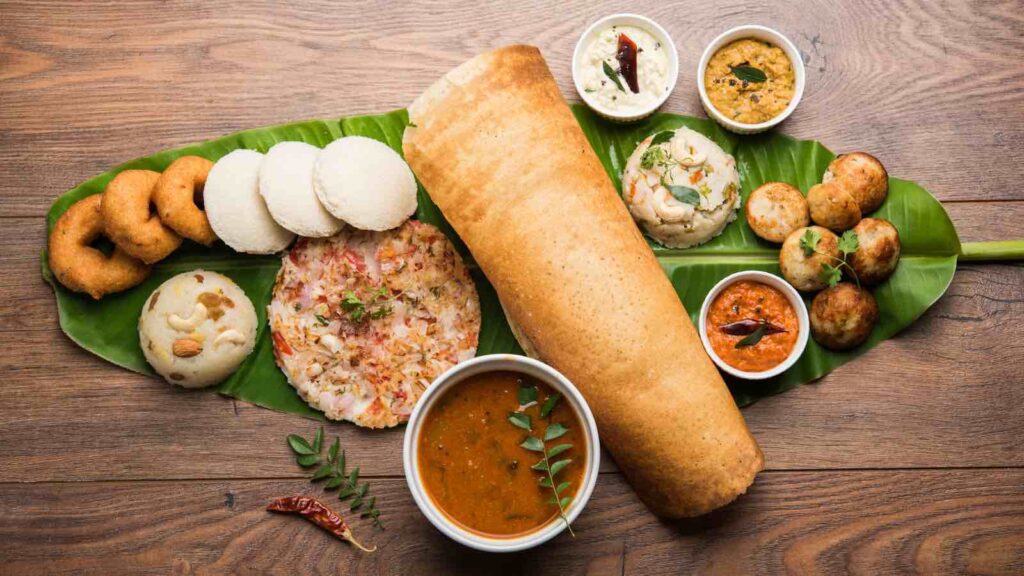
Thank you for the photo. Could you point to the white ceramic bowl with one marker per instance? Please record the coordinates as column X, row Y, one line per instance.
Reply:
column 626, row 20
column 760, row 33
column 794, row 299
column 453, row 376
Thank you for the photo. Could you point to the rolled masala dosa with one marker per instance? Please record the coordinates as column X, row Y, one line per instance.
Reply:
column 501, row 154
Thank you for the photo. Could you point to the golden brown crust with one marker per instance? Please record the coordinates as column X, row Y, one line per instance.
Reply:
column 843, row 316
column 833, row 207
column 128, row 221
column 505, row 160
column 863, row 176
column 878, row 251
column 775, row 209
column 802, row 271
column 175, row 194
column 82, row 268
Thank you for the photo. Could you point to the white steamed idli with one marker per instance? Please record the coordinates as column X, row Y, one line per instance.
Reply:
column 365, row 183
column 286, row 184
column 235, row 208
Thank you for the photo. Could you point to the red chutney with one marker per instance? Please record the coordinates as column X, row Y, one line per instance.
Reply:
column 748, row 300
column 471, row 462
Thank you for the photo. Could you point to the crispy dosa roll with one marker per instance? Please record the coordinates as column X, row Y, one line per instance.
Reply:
column 503, row 157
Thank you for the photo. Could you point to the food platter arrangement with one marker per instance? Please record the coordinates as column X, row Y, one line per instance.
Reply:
column 516, row 280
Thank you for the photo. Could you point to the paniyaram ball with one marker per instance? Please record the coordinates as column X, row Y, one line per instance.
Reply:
column 803, row 270
column 878, row 250
column 178, row 197
column 235, row 208
column 83, row 268
column 197, row 328
column 863, row 176
column 365, row 183
column 833, row 207
column 842, row 317
column 775, row 209
column 128, row 220
column 286, row 184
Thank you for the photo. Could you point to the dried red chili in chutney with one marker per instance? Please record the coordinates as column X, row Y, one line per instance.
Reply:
column 747, row 304
column 626, row 56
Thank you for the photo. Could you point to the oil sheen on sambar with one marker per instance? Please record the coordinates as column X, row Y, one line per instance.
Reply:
column 471, row 463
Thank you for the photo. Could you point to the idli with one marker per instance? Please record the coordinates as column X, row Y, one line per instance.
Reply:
column 365, row 183
column 286, row 184
column 197, row 328
column 235, row 208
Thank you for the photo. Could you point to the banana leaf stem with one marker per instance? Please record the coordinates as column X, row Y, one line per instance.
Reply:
column 992, row 251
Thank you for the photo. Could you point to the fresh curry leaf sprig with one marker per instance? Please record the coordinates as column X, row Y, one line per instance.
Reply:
column 333, row 469
column 832, row 273
column 547, row 465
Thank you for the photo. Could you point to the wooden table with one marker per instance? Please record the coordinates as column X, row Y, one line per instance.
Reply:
column 908, row 459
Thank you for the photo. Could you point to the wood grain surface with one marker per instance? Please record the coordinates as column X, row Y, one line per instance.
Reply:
column 906, row 460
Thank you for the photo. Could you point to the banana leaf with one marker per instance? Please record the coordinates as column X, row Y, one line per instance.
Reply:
column 107, row 327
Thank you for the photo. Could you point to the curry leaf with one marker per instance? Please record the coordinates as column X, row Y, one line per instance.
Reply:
column 549, row 404
column 521, row 420
column 556, row 430
column 308, row 460
column 752, row 338
column 318, row 441
column 558, row 450
column 299, row 445
column 685, row 194
column 527, row 394
column 662, row 137
column 559, row 466
column 610, row 73
column 748, row 73
column 533, row 443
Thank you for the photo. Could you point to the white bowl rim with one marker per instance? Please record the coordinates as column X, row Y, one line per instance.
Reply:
column 656, row 30
column 794, row 299
column 457, row 373
column 791, row 52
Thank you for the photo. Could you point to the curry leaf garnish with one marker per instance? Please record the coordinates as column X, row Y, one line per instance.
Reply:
column 548, row 467
column 549, row 404
column 685, row 194
column 321, row 320
column 610, row 73
column 521, row 420
column 662, row 137
column 527, row 395
column 332, row 469
column 748, row 73
column 753, row 338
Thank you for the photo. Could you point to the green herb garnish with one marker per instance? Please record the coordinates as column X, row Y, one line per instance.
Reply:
column 831, row 274
column 748, row 73
column 809, row 242
column 547, row 466
column 685, row 194
column 332, row 469
column 378, row 307
column 321, row 320
column 652, row 156
column 752, row 338
column 610, row 72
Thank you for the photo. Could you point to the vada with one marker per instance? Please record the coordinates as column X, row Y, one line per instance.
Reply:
column 775, row 209
column 878, row 250
column 863, row 176
column 130, row 223
column 178, row 198
column 833, row 207
column 843, row 316
column 82, row 268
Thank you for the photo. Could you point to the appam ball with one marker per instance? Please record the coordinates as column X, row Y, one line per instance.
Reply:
column 833, row 207
column 843, row 316
column 878, row 251
column 775, row 209
column 802, row 271
column 863, row 176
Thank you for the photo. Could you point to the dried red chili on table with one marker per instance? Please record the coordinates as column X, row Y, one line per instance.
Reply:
column 317, row 513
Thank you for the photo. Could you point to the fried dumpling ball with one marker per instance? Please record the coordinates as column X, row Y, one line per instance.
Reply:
column 833, row 207
column 878, row 251
column 775, row 209
column 802, row 270
column 82, row 268
column 130, row 223
column 843, row 316
column 178, row 198
column 863, row 176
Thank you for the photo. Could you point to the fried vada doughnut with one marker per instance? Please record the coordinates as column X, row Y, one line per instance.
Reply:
column 128, row 220
column 82, row 268
column 178, row 198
